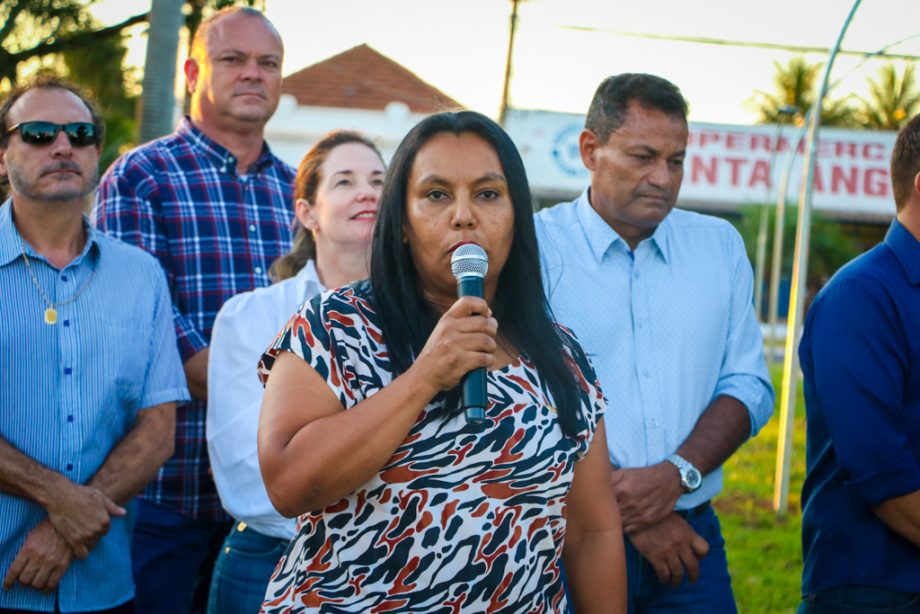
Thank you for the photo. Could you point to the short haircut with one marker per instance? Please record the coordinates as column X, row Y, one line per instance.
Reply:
column 48, row 82
column 520, row 306
column 905, row 162
column 611, row 101
column 203, row 33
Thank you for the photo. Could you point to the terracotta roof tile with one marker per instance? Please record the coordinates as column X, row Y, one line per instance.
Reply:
column 362, row 78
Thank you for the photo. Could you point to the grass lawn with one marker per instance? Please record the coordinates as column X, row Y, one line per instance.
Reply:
column 764, row 552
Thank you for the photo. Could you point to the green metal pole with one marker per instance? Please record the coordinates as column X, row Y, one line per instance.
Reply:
column 797, row 297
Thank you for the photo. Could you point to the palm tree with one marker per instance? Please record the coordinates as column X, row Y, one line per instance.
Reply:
column 894, row 100
column 158, row 103
column 795, row 86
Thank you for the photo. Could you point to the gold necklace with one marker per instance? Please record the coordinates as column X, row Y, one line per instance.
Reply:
column 51, row 313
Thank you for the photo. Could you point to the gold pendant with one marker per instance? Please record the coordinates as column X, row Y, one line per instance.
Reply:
column 51, row 316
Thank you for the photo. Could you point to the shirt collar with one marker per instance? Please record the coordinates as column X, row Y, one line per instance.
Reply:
column 661, row 239
column 9, row 237
column 307, row 277
column 11, row 243
column 219, row 155
column 906, row 248
column 601, row 236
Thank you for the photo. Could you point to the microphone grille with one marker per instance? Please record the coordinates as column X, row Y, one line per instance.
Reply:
column 469, row 260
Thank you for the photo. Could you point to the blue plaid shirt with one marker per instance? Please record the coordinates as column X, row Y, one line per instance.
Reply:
column 216, row 233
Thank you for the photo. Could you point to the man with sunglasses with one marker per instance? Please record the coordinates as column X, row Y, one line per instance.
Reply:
column 214, row 205
column 90, row 371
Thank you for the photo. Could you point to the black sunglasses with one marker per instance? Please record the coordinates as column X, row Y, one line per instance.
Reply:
column 80, row 134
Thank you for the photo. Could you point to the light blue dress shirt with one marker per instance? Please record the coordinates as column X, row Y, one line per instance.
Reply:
column 70, row 392
column 668, row 327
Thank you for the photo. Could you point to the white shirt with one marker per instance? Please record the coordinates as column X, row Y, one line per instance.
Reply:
column 243, row 330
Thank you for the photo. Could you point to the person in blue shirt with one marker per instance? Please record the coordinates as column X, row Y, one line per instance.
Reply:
column 661, row 299
column 89, row 370
column 860, row 355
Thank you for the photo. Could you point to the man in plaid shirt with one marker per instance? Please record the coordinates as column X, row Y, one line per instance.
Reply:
column 213, row 204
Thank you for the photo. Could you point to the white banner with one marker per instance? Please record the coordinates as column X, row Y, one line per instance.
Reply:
column 726, row 165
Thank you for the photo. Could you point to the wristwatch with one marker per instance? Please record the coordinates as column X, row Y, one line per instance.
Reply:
column 690, row 477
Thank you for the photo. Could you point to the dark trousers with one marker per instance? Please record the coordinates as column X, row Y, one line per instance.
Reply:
column 172, row 557
column 860, row 600
column 711, row 594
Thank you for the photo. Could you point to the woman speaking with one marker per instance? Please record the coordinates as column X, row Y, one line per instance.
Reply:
column 403, row 504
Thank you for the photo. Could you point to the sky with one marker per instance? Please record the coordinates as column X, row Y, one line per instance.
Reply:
column 564, row 48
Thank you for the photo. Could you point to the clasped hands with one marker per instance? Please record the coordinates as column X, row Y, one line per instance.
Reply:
column 78, row 517
column 646, row 497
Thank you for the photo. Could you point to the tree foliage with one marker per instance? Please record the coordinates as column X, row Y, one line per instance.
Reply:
column 831, row 243
column 893, row 99
column 34, row 29
column 796, row 85
column 62, row 37
column 99, row 70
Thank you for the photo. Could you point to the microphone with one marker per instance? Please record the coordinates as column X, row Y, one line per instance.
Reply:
column 469, row 265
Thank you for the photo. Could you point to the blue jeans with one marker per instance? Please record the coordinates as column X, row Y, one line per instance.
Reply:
column 711, row 594
column 171, row 559
column 860, row 600
column 242, row 571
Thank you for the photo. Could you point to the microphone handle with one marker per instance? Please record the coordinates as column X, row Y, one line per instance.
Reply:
column 474, row 396
column 473, row 384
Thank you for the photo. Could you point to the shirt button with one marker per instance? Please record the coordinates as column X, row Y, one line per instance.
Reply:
column 66, row 322
column 69, row 466
column 644, row 372
column 636, row 274
column 252, row 228
column 259, row 270
column 67, row 370
column 69, row 418
column 63, row 278
column 640, row 323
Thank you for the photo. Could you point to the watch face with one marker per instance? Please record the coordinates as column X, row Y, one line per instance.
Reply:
column 693, row 479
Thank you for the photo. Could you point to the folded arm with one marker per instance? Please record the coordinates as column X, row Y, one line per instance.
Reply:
column 902, row 515
column 78, row 516
column 860, row 366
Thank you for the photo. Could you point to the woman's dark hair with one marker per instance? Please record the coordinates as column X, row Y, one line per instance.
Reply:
column 520, row 306
column 305, row 184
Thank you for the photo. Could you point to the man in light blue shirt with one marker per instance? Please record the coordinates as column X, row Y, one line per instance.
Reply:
column 660, row 299
column 89, row 370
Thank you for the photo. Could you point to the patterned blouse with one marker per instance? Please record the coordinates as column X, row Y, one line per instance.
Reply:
column 461, row 518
